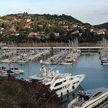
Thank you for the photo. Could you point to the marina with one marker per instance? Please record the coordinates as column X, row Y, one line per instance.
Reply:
column 65, row 70
column 21, row 57
column 54, row 54
column 88, row 64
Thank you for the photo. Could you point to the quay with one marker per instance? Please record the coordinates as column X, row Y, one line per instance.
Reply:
column 83, row 49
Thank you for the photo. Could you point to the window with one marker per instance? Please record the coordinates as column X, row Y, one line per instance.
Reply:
column 58, row 84
column 76, row 82
column 73, row 87
column 71, row 78
column 97, row 94
column 48, row 85
column 58, row 89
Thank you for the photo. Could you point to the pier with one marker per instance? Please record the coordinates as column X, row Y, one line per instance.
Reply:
column 66, row 55
column 83, row 49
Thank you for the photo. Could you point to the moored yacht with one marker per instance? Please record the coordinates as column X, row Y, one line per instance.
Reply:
column 41, row 75
column 104, row 53
column 6, row 73
column 104, row 60
column 69, row 59
column 11, row 72
column 105, row 63
column 17, row 71
column 90, row 98
column 60, row 83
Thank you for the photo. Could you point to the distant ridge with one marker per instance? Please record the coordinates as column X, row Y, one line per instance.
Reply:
column 105, row 25
column 47, row 16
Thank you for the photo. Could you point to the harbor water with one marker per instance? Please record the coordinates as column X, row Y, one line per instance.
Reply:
column 88, row 64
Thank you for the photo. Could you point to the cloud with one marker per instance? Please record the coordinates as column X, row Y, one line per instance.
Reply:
column 84, row 10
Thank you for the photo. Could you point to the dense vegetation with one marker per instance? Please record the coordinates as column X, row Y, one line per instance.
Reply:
column 22, row 94
column 41, row 28
column 105, row 25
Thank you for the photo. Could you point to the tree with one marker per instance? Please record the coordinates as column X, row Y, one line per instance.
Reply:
column 52, row 37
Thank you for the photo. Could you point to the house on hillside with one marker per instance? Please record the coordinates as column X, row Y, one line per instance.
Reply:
column 1, row 19
column 31, row 34
column 81, row 27
column 65, row 26
column 57, row 34
column 47, row 36
column 15, row 20
column 60, row 22
column 75, row 32
column 17, row 34
column 41, row 26
column 74, row 26
column 91, row 30
column 28, row 25
column 49, row 25
column 100, row 32
column 1, row 28
column 38, row 35
column 28, row 20
column 1, row 32
column 13, row 29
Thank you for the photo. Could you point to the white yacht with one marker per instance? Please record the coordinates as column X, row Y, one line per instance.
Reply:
column 3, row 72
column 6, row 73
column 17, row 71
column 55, row 59
column 22, row 61
column 12, row 71
column 90, row 98
column 69, row 59
column 6, row 61
column 104, row 63
column 60, row 83
column 104, row 60
column 41, row 75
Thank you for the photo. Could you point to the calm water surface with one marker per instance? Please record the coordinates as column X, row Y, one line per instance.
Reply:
column 88, row 64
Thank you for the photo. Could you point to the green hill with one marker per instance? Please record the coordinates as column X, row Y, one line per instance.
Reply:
column 105, row 25
column 25, row 27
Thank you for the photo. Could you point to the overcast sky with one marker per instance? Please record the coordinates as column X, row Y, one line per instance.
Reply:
column 90, row 11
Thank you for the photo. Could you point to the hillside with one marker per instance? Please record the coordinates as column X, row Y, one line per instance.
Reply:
column 16, row 93
column 26, row 27
column 105, row 25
